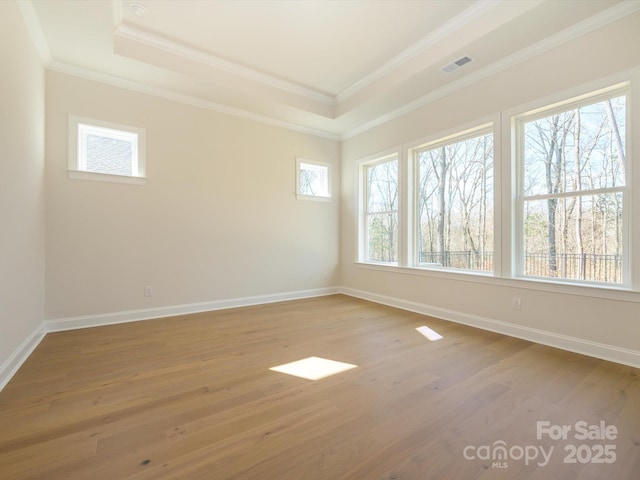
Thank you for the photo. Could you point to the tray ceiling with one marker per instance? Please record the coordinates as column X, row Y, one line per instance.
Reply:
column 327, row 67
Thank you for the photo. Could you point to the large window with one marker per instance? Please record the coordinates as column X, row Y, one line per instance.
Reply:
column 380, row 210
column 104, row 151
column 572, row 184
column 541, row 193
column 454, row 202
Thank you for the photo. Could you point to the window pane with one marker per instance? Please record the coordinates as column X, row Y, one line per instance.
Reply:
column 382, row 187
column 382, row 237
column 578, row 149
column 382, row 211
column 109, row 155
column 314, row 180
column 576, row 237
column 455, row 204
column 105, row 152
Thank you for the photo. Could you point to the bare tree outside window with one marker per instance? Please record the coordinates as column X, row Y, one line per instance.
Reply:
column 573, row 186
column 309, row 180
column 568, row 197
column 382, row 211
column 313, row 179
column 455, row 204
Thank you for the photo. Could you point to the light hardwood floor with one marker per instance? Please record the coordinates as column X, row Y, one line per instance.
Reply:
column 192, row 397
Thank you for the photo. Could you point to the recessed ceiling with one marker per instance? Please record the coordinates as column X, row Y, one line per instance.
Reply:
column 332, row 68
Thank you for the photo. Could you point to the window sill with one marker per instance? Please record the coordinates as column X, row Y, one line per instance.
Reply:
column 313, row 198
column 595, row 291
column 106, row 177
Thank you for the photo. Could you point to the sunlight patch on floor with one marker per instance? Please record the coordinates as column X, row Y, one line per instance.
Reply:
column 313, row 368
column 430, row 334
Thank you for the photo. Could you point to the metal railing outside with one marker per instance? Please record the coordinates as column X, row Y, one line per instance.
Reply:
column 576, row 266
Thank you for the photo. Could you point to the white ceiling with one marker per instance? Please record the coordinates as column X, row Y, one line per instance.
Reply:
column 329, row 67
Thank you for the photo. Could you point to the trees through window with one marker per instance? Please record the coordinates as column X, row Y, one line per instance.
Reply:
column 573, row 183
column 381, row 210
column 313, row 180
column 568, row 197
column 454, row 205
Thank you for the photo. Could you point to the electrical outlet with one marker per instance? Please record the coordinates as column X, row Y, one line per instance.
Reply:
column 516, row 303
column 148, row 291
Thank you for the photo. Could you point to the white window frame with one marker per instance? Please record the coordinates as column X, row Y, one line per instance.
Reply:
column 325, row 168
column 488, row 127
column 363, row 204
column 517, row 231
column 80, row 126
column 505, row 201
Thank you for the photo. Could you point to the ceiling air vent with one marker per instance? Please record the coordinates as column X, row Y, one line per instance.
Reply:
column 453, row 66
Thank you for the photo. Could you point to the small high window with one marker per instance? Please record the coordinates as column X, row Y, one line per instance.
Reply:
column 313, row 180
column 104, row 151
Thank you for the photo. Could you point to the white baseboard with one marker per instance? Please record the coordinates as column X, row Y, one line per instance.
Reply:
column 9, row 368
column 86, row 321
column 573, row 344
column 13, row 363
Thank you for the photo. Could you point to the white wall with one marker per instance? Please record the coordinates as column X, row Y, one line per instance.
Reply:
column 21, row 186
column 579, row 315
column 217, row 218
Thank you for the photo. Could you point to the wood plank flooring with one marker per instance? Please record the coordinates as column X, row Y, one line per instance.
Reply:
column 192, row 397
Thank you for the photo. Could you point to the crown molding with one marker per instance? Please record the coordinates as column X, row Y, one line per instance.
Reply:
column 34, row 27
column 602, row 19
column 215, row 62
column 471, row 13
column 35, row 30
column 114, row 81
